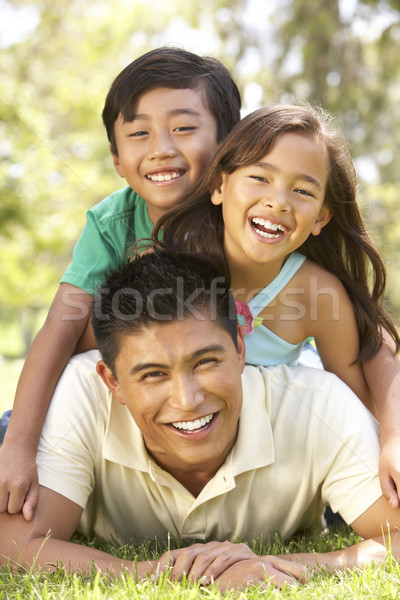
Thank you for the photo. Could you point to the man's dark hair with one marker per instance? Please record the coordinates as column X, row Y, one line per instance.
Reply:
column 176, row 69
column 159, row 287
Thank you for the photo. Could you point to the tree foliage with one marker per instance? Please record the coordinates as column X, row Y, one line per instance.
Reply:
column 54, row 159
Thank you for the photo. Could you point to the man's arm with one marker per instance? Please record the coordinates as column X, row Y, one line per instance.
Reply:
column 44, row 541
column 379, row 525
column 235, row 565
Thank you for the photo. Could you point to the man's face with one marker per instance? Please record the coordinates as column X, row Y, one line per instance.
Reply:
column 164, row 150
column 181, row 382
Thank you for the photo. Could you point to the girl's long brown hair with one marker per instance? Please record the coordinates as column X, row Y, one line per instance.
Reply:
column 343, row 247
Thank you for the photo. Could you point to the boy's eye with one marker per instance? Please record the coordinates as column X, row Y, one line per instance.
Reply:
column 184, row 128
column 138, row 134
column 259, row 178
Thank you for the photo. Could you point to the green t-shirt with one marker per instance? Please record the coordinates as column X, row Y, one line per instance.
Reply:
column 112, row 228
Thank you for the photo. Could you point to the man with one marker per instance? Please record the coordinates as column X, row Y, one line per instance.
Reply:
column 173, row 436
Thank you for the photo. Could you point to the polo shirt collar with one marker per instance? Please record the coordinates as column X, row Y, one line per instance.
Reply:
column 123, row 440
column 254, row 447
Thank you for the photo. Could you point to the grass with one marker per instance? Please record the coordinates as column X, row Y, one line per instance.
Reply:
column 370, row 583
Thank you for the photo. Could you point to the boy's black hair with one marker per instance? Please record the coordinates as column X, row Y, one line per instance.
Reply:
column 173, row 68
column 159, row 287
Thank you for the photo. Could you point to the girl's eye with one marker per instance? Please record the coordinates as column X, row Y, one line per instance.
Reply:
column 304, row 192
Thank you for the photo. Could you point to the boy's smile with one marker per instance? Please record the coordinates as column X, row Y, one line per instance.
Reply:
column 164, row 150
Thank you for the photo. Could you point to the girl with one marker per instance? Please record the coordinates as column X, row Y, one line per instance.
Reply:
column 278, row 209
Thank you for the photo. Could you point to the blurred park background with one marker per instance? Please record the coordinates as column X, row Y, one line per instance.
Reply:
column 58, row 59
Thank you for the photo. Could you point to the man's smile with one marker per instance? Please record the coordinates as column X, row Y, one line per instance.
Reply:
column 194, row 426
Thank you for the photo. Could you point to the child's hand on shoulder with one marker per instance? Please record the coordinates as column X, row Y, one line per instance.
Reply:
column 19, row 487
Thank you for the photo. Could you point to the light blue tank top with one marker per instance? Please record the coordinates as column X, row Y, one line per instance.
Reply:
column 262, row 346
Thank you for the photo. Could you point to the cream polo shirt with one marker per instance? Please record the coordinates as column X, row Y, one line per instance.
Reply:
column 304, row 441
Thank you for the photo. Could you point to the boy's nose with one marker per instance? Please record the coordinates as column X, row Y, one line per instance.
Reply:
column 161, row 146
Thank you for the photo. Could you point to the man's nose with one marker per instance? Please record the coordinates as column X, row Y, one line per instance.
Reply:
column 161, row 145
column 186, row 393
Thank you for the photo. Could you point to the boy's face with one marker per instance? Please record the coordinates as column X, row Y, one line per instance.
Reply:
column 164, row 150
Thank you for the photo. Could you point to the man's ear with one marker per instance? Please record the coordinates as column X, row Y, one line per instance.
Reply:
column 117, row 164
column 217, row 189
column 110, row 381
column 241, row 347
column 323, row 219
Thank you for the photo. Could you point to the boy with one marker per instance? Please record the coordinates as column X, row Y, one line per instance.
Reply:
column 165, row 115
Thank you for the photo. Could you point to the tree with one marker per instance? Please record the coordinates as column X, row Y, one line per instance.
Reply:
column 54, row 154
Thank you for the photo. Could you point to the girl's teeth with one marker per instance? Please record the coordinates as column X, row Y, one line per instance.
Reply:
column 270, row 227
column 193, row 425
column 267, row 235
column 268, row 224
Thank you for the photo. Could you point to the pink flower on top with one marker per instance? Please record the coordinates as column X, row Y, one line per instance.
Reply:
column 246, row 318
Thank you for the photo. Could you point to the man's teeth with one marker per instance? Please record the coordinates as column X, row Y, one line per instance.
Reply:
column 193, row 425
column 163, row 176
column 265, row 224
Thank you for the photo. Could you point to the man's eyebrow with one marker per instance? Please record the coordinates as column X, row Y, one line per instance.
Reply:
column 142, row 366
column 206, row 350
column 301, row 176
column 173, row 113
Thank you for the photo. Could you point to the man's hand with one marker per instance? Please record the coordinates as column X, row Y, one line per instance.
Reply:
column 232, row 566
column 205, row 562
column 263, row 571
column 19, row 488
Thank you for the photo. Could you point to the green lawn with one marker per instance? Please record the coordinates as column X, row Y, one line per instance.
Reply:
column 371, row 583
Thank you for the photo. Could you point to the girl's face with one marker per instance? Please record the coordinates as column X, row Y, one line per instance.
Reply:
column 271, row 207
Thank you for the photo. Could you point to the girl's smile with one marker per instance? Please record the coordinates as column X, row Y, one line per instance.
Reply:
column 268, row 230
